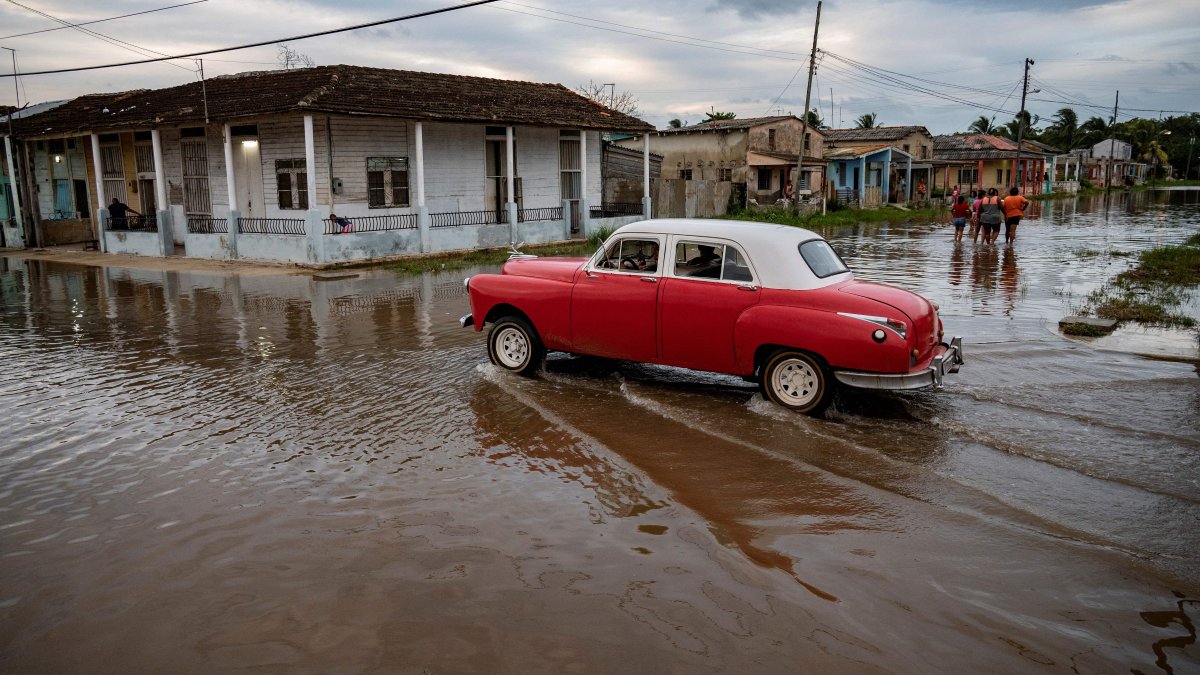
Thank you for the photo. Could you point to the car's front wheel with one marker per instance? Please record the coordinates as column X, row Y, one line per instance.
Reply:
column 514, row 345
column 796, row 381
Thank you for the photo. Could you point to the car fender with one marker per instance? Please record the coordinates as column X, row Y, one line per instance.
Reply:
column 545, row 302
column 842, row 342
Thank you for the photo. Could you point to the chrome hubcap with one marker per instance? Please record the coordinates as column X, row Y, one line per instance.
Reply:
column 796, row 382
column 512, row 348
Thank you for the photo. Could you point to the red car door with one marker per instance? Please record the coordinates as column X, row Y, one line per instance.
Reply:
column 699, row 304
column 614, row 305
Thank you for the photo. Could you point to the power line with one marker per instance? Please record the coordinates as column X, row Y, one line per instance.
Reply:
column 260, row 44
column 128, row 46
column 111, row 18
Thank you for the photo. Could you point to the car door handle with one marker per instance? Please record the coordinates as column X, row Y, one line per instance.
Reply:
column 747, row 287
column 651, row 280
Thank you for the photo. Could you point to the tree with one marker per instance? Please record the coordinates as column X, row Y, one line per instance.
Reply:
column 712, row 115
column 1155, row 155
column 608, row 96
column 675, row 123
column 1093, row 131
column 814, row 119
column 867, row 121
column 1013, row 129
column 1063, row 132
column 983, row 125
column 289, row 58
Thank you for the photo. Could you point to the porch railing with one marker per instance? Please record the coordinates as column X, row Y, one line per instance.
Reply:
column 404, row 221
column 613, row 209
column 548, row 213
column 288, row 226
column 207, row 225
column 465, row 218
column 139, row 223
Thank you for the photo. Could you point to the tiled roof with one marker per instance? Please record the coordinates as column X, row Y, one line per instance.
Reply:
column 876, row 134
column 853, row 153
column 980, row 146
column 728, row 125
column 342, row 89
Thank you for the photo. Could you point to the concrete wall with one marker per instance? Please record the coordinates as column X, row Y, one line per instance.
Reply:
column 136, row 243
column 213, row 246
column 366, row 245
column 58, row 232
column 695, row 151
column 278, row 248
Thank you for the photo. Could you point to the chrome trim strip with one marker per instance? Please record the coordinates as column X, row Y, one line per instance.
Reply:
column 881, row 321
column 466, row 321
column 946, row 362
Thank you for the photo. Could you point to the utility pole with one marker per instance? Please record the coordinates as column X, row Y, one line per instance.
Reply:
column 812, row 67
column 1021, row 125
column 831, row 117
column 1112, row 143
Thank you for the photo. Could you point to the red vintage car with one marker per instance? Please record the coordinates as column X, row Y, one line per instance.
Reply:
column 771, row 303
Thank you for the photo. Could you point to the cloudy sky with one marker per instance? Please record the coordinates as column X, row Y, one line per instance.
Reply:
column 940, row 63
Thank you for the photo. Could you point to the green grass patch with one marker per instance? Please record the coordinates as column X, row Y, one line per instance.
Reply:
column 1083, row 329
column 1176, row 265
column 819, row 222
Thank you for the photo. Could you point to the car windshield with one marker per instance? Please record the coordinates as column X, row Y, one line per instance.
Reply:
column 821, row 258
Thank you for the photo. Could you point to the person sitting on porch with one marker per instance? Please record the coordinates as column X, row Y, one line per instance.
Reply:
column 117, row 215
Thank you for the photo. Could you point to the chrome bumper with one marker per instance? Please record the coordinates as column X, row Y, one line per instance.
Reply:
column 948, row 361
column 466, row 321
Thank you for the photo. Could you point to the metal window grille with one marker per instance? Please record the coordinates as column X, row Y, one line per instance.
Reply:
column 387, row 182
column 196, row 197
column 143, row 158
column 613, row 209
column 291, row 183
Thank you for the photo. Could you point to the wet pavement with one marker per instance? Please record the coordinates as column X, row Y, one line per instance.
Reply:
column 203, row 472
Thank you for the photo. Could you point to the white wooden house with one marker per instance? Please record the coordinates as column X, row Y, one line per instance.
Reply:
column 254, row 165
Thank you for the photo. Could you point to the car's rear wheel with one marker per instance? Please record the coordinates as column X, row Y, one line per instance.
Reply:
column 514, row 345
column 796, row 381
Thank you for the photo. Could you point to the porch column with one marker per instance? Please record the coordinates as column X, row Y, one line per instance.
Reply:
column 908, row 181
column 585, row 211
column 979, row 174
column 646, row 205
column 14, row 235
column 314, row 220
column 862, row 181
column 101, row 214
column 511, row 183
column 419, row 171
column 166, row 238
column 235, row 211
column 885, row 177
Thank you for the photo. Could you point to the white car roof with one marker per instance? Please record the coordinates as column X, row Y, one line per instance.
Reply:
column 773, row 249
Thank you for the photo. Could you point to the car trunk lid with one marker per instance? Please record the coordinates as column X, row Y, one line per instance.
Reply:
column 921, row 314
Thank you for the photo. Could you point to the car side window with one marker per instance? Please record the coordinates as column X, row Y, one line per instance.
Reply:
column 698, row 259
column 634, row 256
column 735, row 267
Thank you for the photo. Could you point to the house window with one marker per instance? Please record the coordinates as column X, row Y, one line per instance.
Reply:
column 112, row 169
column 906, row 147
column 387, row 182
column 291, row 182
column 924, row 152
column 808, row 144
column 1002, row 176
column 968, row 176
column 57, row 145
column 194, row 154
column 725, row 175
column 771, row 139
column 764, row 179
column 685, row 174
column 569, row 166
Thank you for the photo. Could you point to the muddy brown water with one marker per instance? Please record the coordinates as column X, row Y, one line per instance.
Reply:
column 205, row 472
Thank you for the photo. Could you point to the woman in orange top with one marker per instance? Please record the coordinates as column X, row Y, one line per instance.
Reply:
column 1014, row 207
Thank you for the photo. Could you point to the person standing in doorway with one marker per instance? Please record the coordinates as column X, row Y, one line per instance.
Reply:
column 1014, row 207
column 118, row 215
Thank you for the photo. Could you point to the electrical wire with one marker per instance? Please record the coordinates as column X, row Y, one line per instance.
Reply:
column 293, row 38
column 111, row 18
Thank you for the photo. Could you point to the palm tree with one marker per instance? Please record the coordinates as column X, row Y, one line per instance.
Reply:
column 712, row 115
column 983, row 125
column 1093, row 131
column 675, row 123
column 813, row 118
column 1064, row 131
column 1155, row 155
column 866, row 121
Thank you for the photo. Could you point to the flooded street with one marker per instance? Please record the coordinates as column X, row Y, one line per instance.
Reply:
column 204, row 472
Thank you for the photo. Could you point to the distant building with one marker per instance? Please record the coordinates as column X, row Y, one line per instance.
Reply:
column 985, row 161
